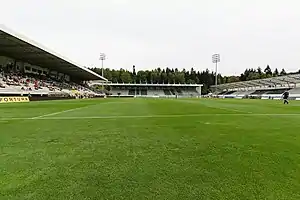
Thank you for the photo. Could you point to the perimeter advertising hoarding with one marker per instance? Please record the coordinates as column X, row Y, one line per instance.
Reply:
column 13, row 99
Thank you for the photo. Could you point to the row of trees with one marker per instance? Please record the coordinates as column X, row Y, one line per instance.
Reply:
column 191, row 76
column 252, row 74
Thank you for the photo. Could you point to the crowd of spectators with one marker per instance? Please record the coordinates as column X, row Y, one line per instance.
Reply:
column 30, row 82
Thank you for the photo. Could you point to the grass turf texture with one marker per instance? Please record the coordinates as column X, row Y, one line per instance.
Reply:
column 175, row 149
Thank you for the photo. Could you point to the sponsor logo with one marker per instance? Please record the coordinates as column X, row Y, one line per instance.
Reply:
column 13, row 99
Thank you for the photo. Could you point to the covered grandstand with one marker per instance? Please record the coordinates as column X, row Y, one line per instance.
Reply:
column 269, row 88
column 27, row 67
column 151, row 90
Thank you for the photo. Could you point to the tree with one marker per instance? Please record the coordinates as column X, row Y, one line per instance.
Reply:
column 282, row 73
column 164, row 77
column 133, row 70
column 107, row 74
column 253, row 76
column 179, row 77
column 155, row 76
column 171, row 78
column 275, row 73
column 193, row 75
column 259, row 71
column 133, row 74
column 268, row 70
column 141, row 77
column 115, row 76
column 125, row 77
column 149, row 78
column 231, row 79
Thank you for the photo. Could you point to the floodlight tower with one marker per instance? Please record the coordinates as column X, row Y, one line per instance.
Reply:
column 216, row 59
column 102, row 58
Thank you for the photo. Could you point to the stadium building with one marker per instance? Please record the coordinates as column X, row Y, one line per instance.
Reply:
column 28, row 68
column 269, row 88
column 152, row 90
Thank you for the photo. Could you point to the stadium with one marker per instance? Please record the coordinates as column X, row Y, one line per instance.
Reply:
column 63, row 139
column 269, row 88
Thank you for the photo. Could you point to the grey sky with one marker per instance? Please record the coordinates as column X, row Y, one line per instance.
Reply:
column 164, row 33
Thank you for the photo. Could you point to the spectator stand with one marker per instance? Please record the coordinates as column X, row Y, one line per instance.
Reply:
column 269, row 88
column 27, row 67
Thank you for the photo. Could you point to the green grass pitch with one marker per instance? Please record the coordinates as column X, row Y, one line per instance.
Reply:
column 150, row 149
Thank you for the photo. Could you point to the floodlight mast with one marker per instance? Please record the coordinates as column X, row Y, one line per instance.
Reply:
column 216, row 59
column 102, row 58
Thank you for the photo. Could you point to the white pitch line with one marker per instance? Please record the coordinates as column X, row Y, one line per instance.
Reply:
column 216, row 107
column 57, row 113
column 70, row 110
column 149, row 116
column 227, row 109
column 169, row 116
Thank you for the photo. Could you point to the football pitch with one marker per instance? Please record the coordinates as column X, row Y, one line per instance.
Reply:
column 150, row 149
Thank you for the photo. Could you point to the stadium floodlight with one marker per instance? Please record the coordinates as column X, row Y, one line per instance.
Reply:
column 216, row 59
column 102, row 58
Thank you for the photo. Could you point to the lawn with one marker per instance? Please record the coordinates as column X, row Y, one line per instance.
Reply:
column 150, row 149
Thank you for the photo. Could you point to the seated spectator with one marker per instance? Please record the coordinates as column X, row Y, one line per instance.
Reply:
column 30, row 82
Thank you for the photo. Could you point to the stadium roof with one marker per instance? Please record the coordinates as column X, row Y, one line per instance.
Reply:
column 145, row 84
column 21, row 48
column 280, row 81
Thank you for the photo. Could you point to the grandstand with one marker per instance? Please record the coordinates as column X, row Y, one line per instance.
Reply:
column 151, row 90
column 269, row 88
column 28, row 68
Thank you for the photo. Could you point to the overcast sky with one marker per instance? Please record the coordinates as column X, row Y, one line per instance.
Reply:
column 164, row 33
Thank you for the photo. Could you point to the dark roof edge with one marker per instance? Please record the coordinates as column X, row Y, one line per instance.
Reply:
column 43, row 48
